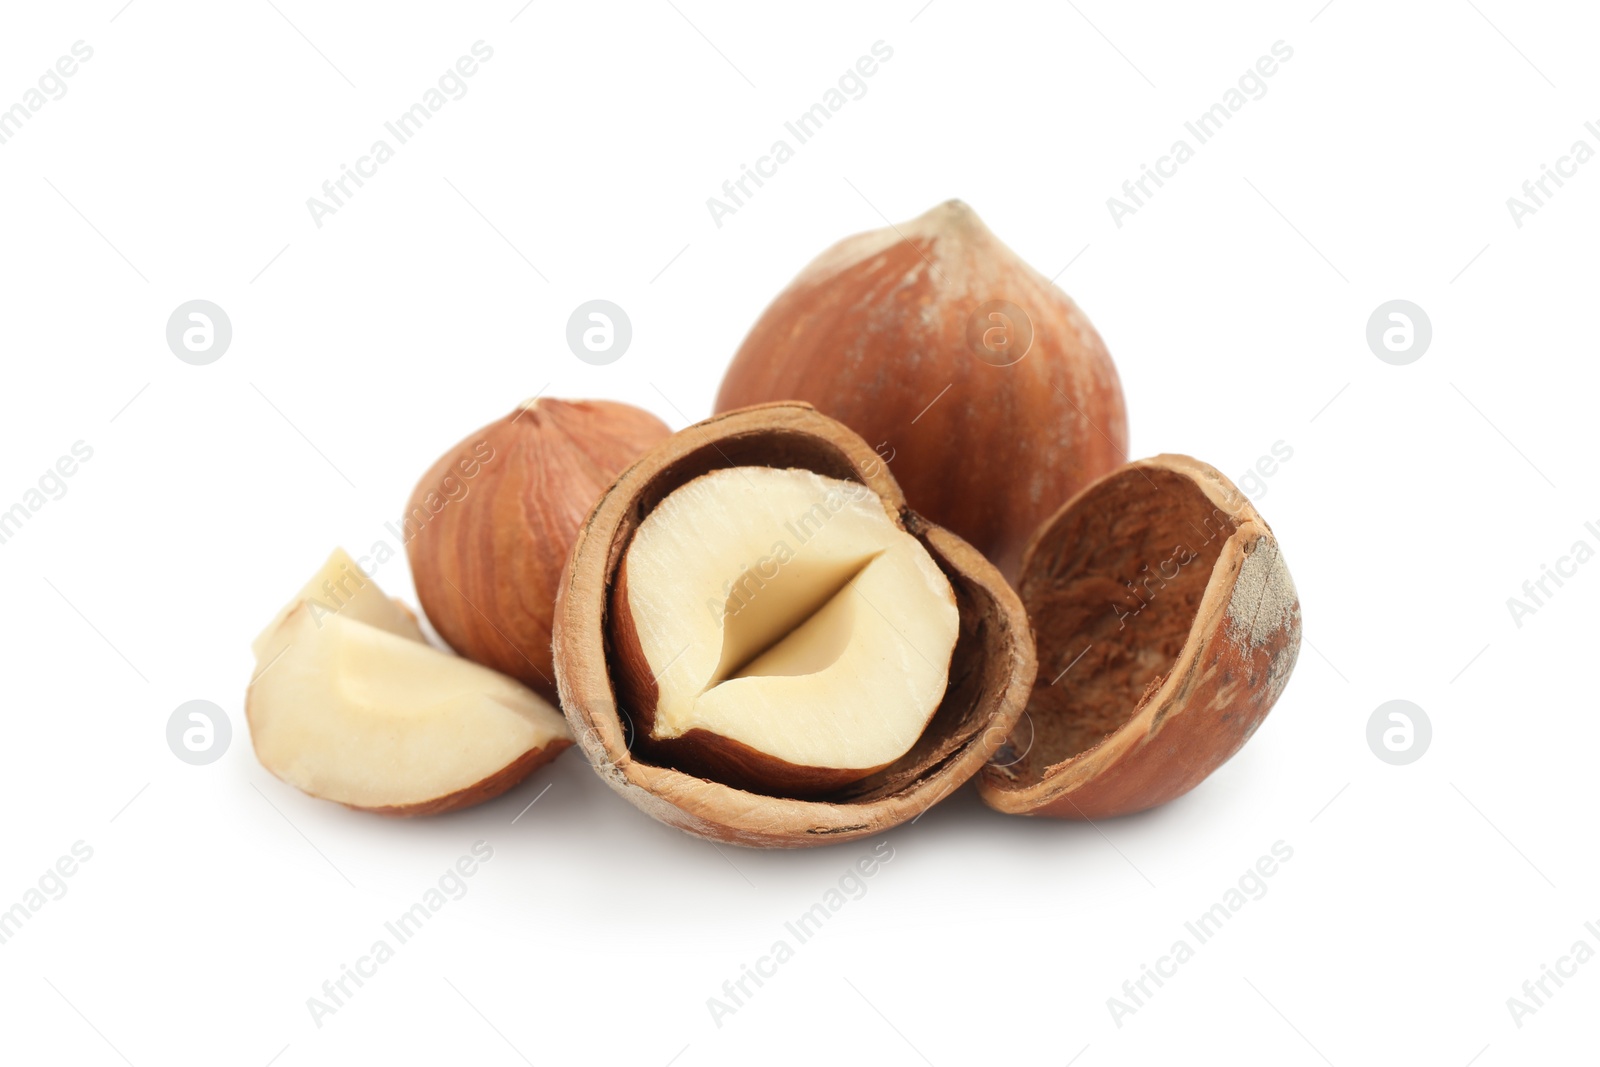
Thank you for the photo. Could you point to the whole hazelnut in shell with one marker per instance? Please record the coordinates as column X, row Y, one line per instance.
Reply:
column 489, row 526
column 983, row 383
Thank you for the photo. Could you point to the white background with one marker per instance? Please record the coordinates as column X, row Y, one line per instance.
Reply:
column 1418, row 499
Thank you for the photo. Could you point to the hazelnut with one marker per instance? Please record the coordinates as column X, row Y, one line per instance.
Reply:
column 880, row 749
column 778, row 630
column 988, row 388
column 487, row 556
column 350, row 703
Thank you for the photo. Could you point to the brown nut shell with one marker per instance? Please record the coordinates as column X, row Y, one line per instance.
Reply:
column 1167, row 626
column 935, row 340
column 991, row 670
column 489, row 526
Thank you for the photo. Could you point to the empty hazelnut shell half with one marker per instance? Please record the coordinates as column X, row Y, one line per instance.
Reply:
column 991, row 668
column 1166, row 625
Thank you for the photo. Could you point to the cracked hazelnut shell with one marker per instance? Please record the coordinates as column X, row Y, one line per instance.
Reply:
column 991, row 668
column 1166, row 625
